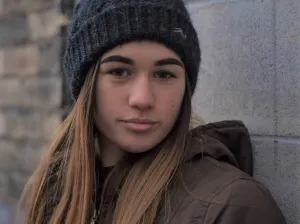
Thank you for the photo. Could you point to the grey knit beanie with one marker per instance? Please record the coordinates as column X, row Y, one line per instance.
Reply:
column 99, row 25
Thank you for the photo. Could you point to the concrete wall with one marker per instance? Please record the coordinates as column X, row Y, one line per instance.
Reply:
column 251, row 71
column 30, row 92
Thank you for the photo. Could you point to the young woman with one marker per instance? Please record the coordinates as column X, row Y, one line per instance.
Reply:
column 125, row 154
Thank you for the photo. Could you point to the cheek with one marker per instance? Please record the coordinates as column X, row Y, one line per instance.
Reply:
column 104, row 93
column 104, row 106
column 171, row 107
column 108, row 110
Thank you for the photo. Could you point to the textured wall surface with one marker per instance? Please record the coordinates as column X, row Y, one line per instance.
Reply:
column 251, row 71
column 30, row 92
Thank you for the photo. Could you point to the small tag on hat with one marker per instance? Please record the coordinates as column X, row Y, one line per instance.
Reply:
column 179, row 30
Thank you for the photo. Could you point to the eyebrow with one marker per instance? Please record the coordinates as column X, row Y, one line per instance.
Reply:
column 125, row 60
column 169, row 61
column 117, row 58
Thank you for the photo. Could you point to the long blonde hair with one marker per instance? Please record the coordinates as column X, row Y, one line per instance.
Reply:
column 61, row 188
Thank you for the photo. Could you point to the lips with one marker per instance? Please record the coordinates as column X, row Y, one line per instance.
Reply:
column 139, row 124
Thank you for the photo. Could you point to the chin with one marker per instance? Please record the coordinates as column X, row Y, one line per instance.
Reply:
column 137, row 148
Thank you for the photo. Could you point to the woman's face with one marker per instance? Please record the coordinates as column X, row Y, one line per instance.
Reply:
column 139, row 91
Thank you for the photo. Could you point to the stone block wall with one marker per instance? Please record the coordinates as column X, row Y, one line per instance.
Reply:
column 251, row 71
column 30, row 91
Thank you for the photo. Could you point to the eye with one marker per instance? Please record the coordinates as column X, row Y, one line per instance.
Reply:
column 119, row 72
column 164, row 75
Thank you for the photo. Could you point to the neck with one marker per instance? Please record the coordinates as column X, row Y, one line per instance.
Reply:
column 110, row 153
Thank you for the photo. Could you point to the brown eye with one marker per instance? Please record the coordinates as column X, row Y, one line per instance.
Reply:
column 119, row 72
column 164, row 75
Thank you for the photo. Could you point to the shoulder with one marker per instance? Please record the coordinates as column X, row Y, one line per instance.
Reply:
column 211, row 177
column 230, row 194
column 245, row 201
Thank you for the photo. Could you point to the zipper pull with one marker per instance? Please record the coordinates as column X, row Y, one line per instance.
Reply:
column 94, row 219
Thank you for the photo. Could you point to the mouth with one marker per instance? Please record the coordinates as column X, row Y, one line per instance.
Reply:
column 139, row 124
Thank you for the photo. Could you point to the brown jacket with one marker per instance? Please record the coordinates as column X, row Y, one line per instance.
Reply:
column 218, row 185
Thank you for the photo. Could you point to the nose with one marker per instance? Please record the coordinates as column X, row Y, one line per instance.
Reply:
column 142, row 95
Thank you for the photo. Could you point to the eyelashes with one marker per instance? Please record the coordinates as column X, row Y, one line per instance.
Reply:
column 119, row 72
column 124, row 73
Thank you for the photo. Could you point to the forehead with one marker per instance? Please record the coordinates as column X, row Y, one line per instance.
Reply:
column 142, row 50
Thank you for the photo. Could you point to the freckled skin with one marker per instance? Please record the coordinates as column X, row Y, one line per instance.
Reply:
column 142, row 94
